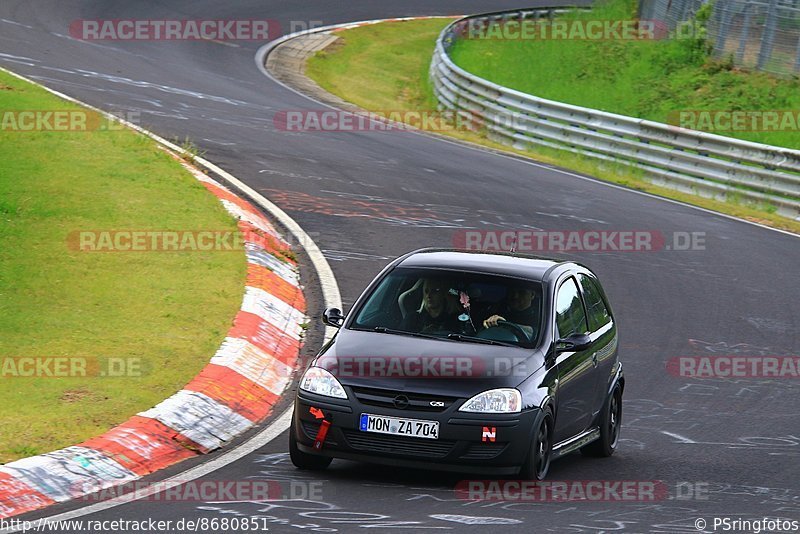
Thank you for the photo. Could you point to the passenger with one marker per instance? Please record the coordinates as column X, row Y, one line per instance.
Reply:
column 437, row 312
column 519, row 307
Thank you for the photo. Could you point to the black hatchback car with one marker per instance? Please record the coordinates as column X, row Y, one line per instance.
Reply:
column 481, row 362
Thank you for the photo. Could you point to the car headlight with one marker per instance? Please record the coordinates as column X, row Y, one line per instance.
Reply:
column 505, row 400
column 318, row 380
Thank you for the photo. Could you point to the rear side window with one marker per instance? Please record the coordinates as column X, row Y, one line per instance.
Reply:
column 598, row 312
column 570, row 315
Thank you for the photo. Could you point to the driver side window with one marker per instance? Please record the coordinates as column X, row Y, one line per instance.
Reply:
column 570, row 315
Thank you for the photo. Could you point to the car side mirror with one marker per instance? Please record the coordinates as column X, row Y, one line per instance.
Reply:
column 333, row 317
column 574, row 343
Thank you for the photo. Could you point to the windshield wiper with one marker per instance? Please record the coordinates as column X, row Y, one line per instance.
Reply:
column 473, row 339
column 385, row 330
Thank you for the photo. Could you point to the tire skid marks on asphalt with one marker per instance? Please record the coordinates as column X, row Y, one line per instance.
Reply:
column 236, row 390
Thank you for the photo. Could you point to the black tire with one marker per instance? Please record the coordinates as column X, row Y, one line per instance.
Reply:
column 303, row 460
column 537, row 464
column 610, row 423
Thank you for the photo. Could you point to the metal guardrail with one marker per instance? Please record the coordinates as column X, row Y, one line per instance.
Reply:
column 704, row 164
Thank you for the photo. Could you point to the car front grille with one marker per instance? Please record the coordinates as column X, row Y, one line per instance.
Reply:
column 370, row 441
column 416, row 401
column 483, row 451
column 310, row 428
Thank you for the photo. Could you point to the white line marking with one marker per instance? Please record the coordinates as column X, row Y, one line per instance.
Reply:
column 19, row 57
column 680, row 438
column 15, row 23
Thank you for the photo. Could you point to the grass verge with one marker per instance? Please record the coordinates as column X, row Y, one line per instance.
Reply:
column 385, row 67
column 167, row 310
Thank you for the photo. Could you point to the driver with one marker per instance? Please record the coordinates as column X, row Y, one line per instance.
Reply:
column 519, row 307
column 437, row 312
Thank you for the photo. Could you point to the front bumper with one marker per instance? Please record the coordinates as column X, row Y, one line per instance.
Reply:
column 461, row 445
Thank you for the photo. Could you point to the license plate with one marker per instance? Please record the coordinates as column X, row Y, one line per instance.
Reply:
column 414, row 428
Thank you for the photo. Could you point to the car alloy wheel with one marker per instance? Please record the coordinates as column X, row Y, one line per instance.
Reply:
column 610, row 423
column 538, row 463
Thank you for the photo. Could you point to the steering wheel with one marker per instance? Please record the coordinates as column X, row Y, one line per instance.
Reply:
column 516, row 329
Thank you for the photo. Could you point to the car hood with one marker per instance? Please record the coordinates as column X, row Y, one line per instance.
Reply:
column 413, row 364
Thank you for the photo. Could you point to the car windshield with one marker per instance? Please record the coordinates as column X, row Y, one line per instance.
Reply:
column 462, row 306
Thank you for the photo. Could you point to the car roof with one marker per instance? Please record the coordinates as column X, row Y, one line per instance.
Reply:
column 502, row 263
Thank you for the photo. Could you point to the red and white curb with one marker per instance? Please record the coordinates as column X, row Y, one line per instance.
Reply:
column 236, row 390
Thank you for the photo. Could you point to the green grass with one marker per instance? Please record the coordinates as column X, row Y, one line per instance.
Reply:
column 649, row 79
column 171, row 310
column 385, row 66
column 382, row 67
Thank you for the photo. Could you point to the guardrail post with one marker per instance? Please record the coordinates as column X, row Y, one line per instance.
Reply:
column 725, row 16
column 797, row 59
column 768, row 39
column 745, row 32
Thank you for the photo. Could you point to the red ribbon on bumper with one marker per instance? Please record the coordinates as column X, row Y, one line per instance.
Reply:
column 321, row 435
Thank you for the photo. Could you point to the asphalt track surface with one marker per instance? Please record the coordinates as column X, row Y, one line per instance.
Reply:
column 366, row 197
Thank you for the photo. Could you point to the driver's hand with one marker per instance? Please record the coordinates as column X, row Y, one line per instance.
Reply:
column 492, row 321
